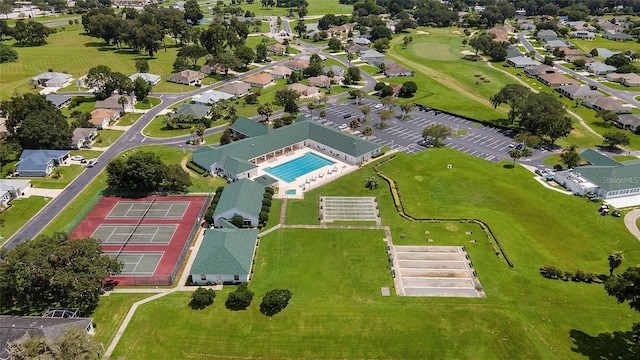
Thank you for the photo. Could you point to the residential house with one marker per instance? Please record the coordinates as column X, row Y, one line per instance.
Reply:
column 237, row 89
column 225, row 256
column 371, row 57
column 396, row 88
column 304, row 90
column 362, row 41
column 82, row 136
column 606, row 178
column 281, row 72
column 259, row 80
column 537, row 70
column 339, row 30
column 52, row 79
column 629, row 121
column 212, row 69
column 629, row 80
column 617, row 36
column 337, row 70
column 195, row 110
column 397, row 70
column 522, row 62
column 557, row 79
column 550, row 45
column 15, row 328
column 321, row 81
column 547, row 35
column 606, row 103
column 59, row 100
column 526, row 25
column 599, row 68
column 12, row 189
column 242, row 197
column 187, row 77
column 277, row 49
column 210, row 97
column 577, row 91
column 500, row 33
column 582, row 34
column 100, row 118
column 40, row 162
column 609, row 27
column 354, row 48
column 297, row 64
column 111, row 103
column 512, row 52
column 580, row 26
column 570, row 53
column 244, row 127
column 151, row 79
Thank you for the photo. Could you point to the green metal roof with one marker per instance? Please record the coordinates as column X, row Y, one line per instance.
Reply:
column 226, row 224
column 249, row 127
column 237, row 166
column 244, row 195
column 225, row 251
column 198, row 111
column 598, row 159
column 265, row 180
column 612, row 178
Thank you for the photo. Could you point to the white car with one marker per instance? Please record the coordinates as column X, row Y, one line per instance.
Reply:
column 77, row 158
column 342, row 127
column 378, row 106
column 92, row 162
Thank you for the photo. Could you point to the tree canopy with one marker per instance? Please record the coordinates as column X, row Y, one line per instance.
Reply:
column 54, row 271
column 144, row 172
column 74, row 344
column 436, row 133
column 275, row 301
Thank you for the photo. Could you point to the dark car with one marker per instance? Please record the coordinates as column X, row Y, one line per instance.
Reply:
column 346, row 116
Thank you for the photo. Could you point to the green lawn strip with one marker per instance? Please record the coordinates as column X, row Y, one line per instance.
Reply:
column 88, row 154
column 274, row 214
column 372, row 70
column 157, row 129
column 600, row 42
column 128, row 119
column 315, row 8
column 213, row 139
column 110, row 313
column 619, row 86
column 624, row 158
column 84, row 107
column 67, row 174
column 147, row 103
column 553, row 160
column 106, row 137
column 266, row 95
column 21, row 211
column 74, row 52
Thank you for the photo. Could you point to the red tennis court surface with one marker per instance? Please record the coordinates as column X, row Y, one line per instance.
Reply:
column 136, row 222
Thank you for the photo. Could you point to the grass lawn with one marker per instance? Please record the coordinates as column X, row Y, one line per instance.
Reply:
column 335, row 277
column 371, row 70
column 618, row 86
column 274, row 214
column 624, row 158
column 213, row 138
column 106, row 137
column 445, row 80
column 600, row 42
column 21, row 210
column 74, row 52
column 128, row 119
column 67, row 174
column 266, row 95
column 553, row 160
column 158, row 130
column 88, row 154
column 147, row 103
column 110, row 314
column 315, row 8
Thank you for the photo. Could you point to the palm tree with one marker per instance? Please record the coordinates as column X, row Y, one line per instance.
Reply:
column 367, row 131
column 366, row 110
column 615, row 260
column 323, row 114
column 200, row 129
column 192, row 132
column 385, row 115
column 310, row 106
column 265, row 110
column 515, row 155
column 122, row 100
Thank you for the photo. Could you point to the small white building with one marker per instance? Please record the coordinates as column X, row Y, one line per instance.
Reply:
column 12, row 189
column 240, row 198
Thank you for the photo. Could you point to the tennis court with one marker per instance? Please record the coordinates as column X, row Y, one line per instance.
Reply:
column 138, row 263
column 148, row 209
column 338, row 208
column 132, row 234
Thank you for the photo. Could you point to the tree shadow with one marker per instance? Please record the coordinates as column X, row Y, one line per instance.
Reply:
column 617, row 345
column 508, row 166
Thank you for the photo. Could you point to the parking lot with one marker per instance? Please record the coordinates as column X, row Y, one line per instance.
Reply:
column 484, row 141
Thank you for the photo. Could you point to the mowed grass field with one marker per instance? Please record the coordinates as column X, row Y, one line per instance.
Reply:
column 445, row 80
column 315, row 8
column 600, row 42
column 335, row 277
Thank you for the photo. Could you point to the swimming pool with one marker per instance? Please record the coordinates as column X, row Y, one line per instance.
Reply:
column 295, row 168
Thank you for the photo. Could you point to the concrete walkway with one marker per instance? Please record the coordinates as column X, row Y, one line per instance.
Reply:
column 630, row 221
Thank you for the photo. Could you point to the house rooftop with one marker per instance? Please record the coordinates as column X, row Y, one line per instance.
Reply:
column 262, row 79
column 249, row 127
column 244, row 195
column 225, row 251
column 198, row 111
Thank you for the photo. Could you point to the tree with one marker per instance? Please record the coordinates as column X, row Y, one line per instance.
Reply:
column 435, row 133
column 74, row 343
column 615, row 260
column 372, row 183
column 227, row 137
column 30, row 33
column 323, row 114
column 240, row 299
column 53, row 271
column 122, row 100
column 354, row 74
column 513, row 95
column 180, row 64
column 570, row 156
column 275, row 301
column 354, row 124
column 617, row 60
column 300, row 28
column 226, row 60
column 613, row 139
column 366, row 110
column 334, row 44
column 357, row 94
column 149, row 37
column 367, row 131
column 515, row 155
column 141, row 172
column 607, row 115
column 287, row 98
column 407, row 108
column 261, row 52
column 7, row 54
column 100, row 78
column 175, row 178
column 245, row 54
column 543, row 115
column 265, row 110
column 193, row 53
column 201, row 298
column 192, row 12
column 142, row 66
column 384, row 115
column 141, row 88
column 44, row 129
column 381, row 45
column 625, row 289
column 408, row 89
column 579, row 63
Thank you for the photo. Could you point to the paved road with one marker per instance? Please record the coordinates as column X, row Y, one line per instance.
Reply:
column 630, row 221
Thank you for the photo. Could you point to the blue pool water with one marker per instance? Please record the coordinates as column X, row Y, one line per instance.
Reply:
column 295, row 168
column 290, row 192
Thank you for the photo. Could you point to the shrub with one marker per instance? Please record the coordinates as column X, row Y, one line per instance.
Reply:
column 269, row 190
column 275, row 301
column 263, row 217
column 201, row 298
column 266, row 202
column 265, row 209
column 579, row 276
column 550, row 272
column 240, row 299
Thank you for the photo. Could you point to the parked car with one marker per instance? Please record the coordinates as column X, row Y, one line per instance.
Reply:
column 378, row 106
column 343, row 126
column 92, row 162
column 346, row 116
column 77, row 158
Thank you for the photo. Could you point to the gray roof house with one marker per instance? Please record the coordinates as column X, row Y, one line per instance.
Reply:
column 59, row 100
column 12, row 188
column 577, row 91
column 552, row 44
column 52, row 79
column 111, row 103
column 197, row 111
column 371, row 57
column 537, row 70
column 617, row 36
column 239, row 159
column 606, row 53
column 547, row 35
column 512, row 52
column 242, row 197
column 210, row 97
column 82, row 136
column 598, row 68
column 151, row 79
column 40, row 163
column 522, row 61
column 606, row 103
column 629, row 121
column 397, row 70
column 238, row 89
column 225, row 256
column 337, row 70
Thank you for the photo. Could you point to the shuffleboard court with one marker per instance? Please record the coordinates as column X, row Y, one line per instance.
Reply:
column 138, row 263
column 338, row 208
column 132, row 234
column 148, row 210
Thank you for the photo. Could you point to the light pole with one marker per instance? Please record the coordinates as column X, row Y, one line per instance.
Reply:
column 392, row 144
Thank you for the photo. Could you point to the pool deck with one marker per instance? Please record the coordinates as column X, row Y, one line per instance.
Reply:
column 311, row 180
